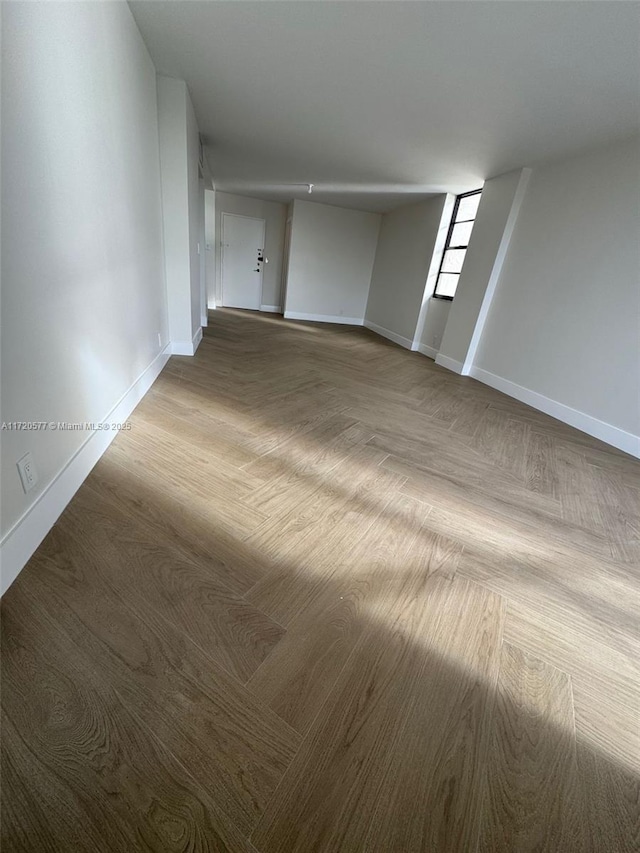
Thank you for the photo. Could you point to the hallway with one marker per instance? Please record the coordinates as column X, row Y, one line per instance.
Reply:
column 328, row 596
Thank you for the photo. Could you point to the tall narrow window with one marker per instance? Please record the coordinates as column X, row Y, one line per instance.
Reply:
column 455, row 248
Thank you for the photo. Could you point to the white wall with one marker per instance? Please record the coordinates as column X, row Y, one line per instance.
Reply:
column 330, row 262
column 434, row 313
column 172, row 112
column 564, row 321
column 403, row 256
column 436, row 320
column 196, row 215
column 210, row 239
column 274, row 215
column 202, row 240
column 83, row 294
column 497, row 214
column 181, row 213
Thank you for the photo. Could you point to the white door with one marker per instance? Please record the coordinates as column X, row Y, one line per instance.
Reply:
column 242, row 261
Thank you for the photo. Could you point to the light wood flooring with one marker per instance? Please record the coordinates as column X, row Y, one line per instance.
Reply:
column 328, row 596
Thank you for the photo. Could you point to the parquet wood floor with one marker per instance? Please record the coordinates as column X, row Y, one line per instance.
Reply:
column 327, row 597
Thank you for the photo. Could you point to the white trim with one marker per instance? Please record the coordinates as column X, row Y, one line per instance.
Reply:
column 387, row 333
column 187, row 347
column 430, row 352
column 27, row 533
column 615, row 436
column 272, row 309
column 498, row 263
column 434, row 268
column 324, row 318
column 449, row 363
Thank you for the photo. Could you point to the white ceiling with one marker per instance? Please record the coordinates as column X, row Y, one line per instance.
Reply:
column 384, row 103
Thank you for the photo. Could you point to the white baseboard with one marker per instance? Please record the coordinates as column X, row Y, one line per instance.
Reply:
column 449, row 363
column 612, row 435
column 387, row 333
column 324, row 318
column 187, row 347
column 430, row 352
column 272, row 309
column 27, row 533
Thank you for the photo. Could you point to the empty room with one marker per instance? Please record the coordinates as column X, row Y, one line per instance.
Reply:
column 320, row 426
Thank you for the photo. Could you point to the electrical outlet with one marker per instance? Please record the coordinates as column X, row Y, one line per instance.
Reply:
column 27, row 471
column 159, row 340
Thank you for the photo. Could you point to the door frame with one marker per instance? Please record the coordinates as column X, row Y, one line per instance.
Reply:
column 223, row 246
